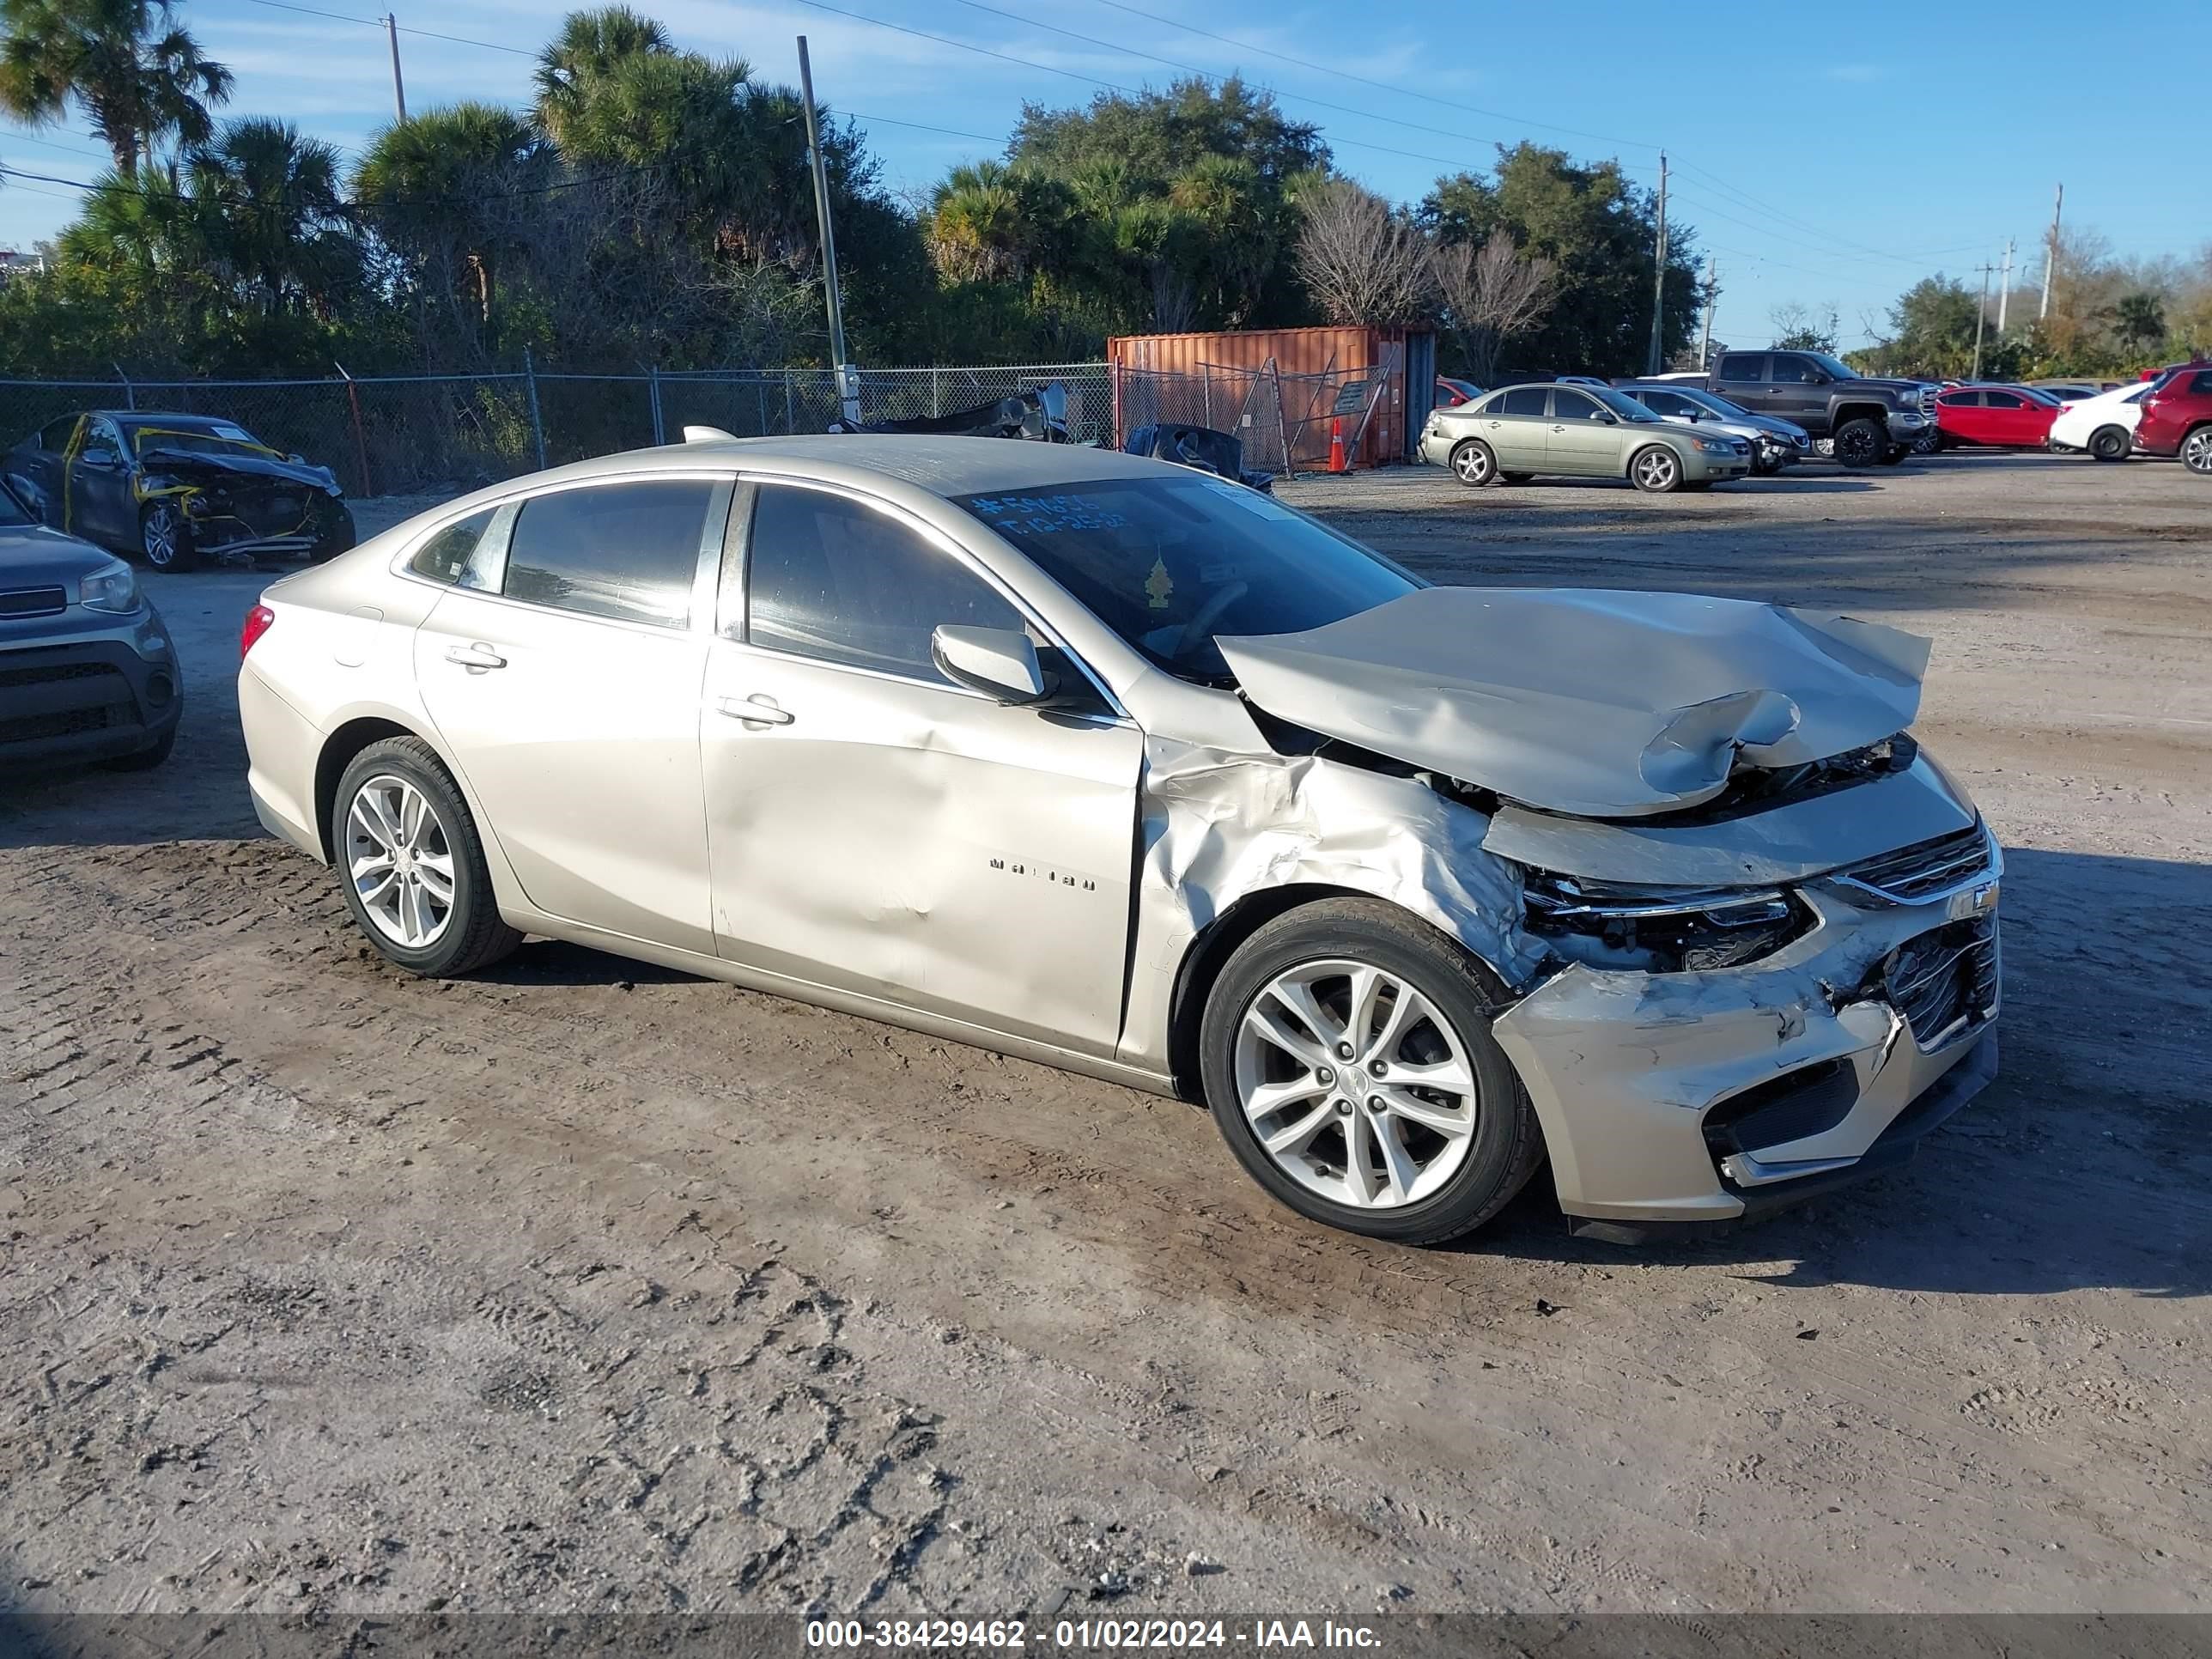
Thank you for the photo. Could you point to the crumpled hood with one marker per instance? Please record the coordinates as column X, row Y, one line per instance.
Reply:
column 200, row 467
column 1588, row 701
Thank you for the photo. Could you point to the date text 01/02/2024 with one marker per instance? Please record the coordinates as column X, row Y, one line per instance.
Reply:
column 1167, row 1635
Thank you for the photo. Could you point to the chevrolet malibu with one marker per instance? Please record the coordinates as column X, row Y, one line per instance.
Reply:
column 1585, row 430
column 1087, row 758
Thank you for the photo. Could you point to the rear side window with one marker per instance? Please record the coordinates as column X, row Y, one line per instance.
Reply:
column 628, row 551
column 1523, row 400
column 446, row 554
column 1743, row 366
column 830, row 578
column 2201, row 387
column 1960, row 400
column 55, row 435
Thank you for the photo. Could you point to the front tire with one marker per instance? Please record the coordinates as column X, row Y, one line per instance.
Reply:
column 411, row 864
column 1348, row 1061
column 1897, row 454
column 1929, row 440
column 2108, row 443
column 1860, row 443
column 1655, row 470
column 165, row 538
column 1474, row 464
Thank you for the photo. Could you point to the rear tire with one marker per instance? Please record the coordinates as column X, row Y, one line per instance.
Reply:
column 2196, row 452
column 1860, row 444
column 1459, row 1179
column 441, row 846
column 165, row 538
column 1474, row 463
column 2108, row 443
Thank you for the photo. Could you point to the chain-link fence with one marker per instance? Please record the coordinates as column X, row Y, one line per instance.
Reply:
column 409, row 434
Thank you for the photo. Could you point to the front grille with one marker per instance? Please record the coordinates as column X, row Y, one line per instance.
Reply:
column 67, row 724
column 33, row 601
column 1922, row 871
column 1945, row 983
column 48, row 673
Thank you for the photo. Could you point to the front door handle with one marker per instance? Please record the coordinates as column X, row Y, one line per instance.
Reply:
column 759, row 710
column 475, row 658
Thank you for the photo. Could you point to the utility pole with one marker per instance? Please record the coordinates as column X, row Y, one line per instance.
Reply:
column 2050, row 252
column 1712, row 299
column 848, row 383
column 399, row 89
column 2004, row 290
column 1659, row 277
column 1981, row 312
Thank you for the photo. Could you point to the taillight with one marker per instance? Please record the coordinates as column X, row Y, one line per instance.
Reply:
column 257, row 625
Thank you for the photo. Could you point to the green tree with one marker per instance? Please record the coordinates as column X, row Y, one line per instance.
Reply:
column 590, row 47
column 1601, row 232
column 137, row 76
column 2140, row 320
column 270, row 208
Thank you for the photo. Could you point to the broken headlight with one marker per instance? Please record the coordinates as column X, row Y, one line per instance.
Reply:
column 1659, row 930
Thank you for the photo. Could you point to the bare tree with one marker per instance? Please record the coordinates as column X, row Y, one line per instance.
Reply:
column 1492, row 293
column 1363, row 260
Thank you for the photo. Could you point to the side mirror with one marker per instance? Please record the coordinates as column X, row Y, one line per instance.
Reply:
column 106, row 459
column 297, row 460
column 999, row 662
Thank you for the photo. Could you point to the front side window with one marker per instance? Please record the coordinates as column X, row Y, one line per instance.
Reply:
column 101, row 440
column 1960, row 400
column 446, row 554
column 1620, row 407
column 1168, row 564
column 1743, row 366
column 1573, row 406
column 1523, row 400
column 829, row 578
column 1792, row 371
column 627, row 551
column 1668, row 402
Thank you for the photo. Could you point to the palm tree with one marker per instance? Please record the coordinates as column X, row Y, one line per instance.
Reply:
column 589, row 47
column 271, row 202
column 2140, row 319
column 440, row 189
column 137, row 77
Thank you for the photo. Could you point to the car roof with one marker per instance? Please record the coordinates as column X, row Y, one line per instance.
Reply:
column 141, row 417
column 942, row 466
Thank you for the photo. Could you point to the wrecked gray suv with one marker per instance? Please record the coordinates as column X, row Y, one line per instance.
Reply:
column 1104, row 762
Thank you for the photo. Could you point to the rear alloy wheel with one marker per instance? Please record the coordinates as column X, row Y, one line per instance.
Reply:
column 2196, row 452
column 2108, row 443
column 1656, row 469
column 1860, row 443
column 1348, row 1061
column 411, row 864
column 165, row 538
column 1472, row 464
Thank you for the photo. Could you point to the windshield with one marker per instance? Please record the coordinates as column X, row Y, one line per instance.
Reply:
column 1626, row 407
column 13, row 515
column 1720, row 406
column 217, row 438
column 1834, row 365
column 1169, row 563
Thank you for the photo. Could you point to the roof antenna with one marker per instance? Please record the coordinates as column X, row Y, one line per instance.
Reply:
column 707, row 434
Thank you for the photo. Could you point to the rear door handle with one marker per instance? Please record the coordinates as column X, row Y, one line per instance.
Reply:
column 758, row 709
column 475, row 657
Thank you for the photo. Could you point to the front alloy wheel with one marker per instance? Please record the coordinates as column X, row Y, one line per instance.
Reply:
column 1355, row 1084
column 164, row 538
column 2196, row 452
column 1657, row 469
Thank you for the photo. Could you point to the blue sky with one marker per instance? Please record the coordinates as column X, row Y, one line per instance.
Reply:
column 1818, row 163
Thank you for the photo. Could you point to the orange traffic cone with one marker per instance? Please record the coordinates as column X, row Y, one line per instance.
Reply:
column 1336, row 445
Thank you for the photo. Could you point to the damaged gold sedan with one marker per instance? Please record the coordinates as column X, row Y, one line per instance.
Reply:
column 1130, row 769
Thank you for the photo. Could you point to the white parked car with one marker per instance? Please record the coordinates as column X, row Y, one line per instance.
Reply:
column 2104, row 425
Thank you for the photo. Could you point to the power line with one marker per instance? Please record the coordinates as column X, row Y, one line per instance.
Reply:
column 378, row 23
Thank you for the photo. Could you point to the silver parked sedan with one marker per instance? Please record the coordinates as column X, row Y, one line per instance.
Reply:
column 1130, row 769
column 1582, row 430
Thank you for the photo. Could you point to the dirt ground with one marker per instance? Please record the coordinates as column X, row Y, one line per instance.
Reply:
column 584, row 1285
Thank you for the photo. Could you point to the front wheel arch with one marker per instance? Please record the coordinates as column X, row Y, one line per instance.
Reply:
column 1207, row 954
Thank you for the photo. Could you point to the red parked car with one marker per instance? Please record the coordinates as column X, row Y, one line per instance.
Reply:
column 2005, row 416
column 1451, row 392
column 2176, row 419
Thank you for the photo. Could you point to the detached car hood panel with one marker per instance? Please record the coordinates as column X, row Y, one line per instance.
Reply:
column 1590, row 701
column 196, row 467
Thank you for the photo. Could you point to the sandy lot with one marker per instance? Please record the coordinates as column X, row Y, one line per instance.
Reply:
column 584, row 1285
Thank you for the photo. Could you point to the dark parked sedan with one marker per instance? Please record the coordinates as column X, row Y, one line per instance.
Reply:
column 179, row 489
column 87, row 672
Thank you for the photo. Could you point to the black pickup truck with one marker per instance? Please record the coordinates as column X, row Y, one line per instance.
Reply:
column 1865, row 423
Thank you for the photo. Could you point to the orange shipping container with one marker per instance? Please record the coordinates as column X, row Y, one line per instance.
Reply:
column 1218, row 371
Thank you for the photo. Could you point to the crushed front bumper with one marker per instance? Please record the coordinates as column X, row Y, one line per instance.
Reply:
column 1712, row 1097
